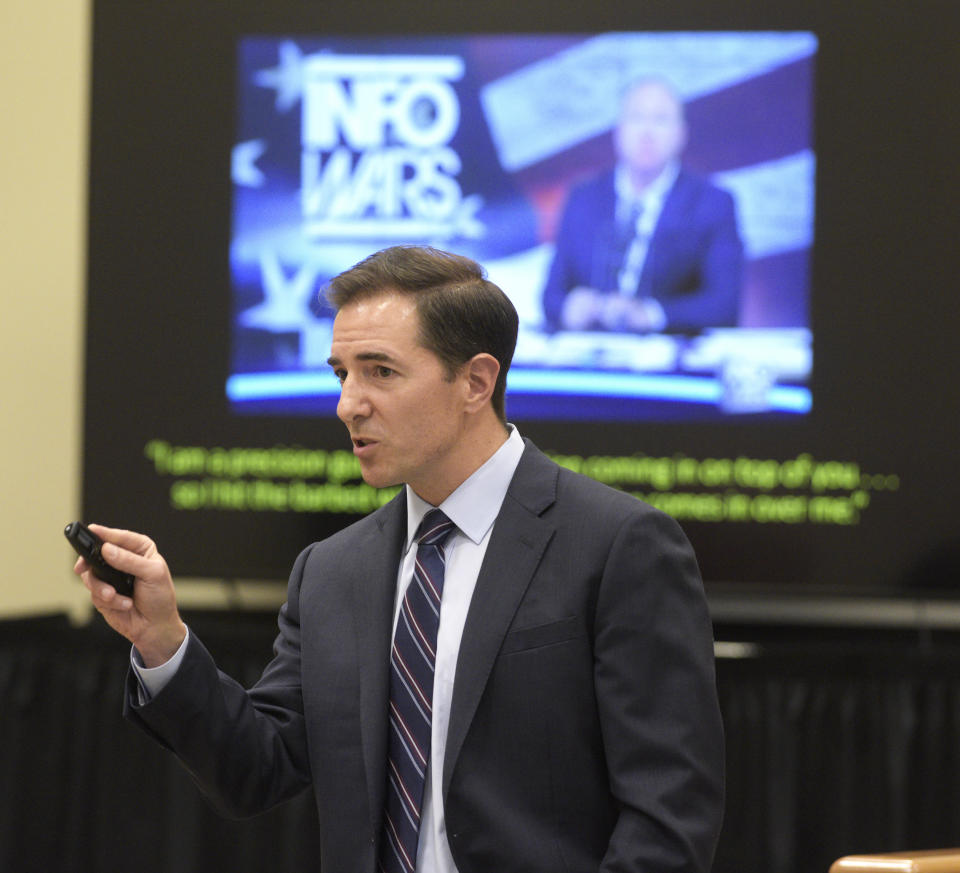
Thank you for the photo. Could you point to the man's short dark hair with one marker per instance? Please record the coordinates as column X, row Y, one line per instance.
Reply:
column 461, row 312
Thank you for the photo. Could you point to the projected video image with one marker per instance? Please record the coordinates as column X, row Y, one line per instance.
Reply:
column 645, row 199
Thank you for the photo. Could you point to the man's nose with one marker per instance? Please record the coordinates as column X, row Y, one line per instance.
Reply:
column 353, row 403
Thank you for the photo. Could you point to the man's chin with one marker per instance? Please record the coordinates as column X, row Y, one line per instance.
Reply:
column 378, row 478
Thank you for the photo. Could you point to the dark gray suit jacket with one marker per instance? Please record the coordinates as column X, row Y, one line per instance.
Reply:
column 584, row 735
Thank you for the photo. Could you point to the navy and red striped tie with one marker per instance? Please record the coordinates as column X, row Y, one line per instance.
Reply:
column 411, row 697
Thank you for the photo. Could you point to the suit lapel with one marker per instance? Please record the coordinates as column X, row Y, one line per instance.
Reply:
column 374, row 593
column 672, row 220
column 516, row 546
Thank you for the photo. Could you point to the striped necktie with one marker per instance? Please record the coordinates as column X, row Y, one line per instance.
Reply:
column 411, row 697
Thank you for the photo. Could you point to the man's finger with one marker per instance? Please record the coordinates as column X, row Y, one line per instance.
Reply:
column 105, row 597
column 128, row 539
column 130, row 562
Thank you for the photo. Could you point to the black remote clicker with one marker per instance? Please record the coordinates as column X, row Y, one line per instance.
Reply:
column 87, row 545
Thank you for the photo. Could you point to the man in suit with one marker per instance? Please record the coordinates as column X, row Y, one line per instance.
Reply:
column 572, row 723
column 647, row 246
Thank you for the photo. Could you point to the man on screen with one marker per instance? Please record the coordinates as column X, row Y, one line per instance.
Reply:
column 647, row 246
column 509, row 667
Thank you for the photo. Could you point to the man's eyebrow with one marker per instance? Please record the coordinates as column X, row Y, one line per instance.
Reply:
column 383, row 357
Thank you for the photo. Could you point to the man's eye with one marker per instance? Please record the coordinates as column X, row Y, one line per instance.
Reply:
column 384, row 372
column 341, row 375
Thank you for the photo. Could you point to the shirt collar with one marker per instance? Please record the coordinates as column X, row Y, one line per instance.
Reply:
column 474, row 505
column 656, row 190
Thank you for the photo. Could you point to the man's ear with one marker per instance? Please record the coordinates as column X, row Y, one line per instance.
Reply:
column 480, row 377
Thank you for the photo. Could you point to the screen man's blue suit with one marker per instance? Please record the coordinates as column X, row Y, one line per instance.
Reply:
column 694, row 263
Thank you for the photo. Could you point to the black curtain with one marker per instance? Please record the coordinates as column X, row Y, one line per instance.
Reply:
column 840, row 747
column 836, row 743
column 83, row 791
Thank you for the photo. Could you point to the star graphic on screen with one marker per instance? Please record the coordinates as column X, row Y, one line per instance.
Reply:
column 286, row 77
column 286, row 298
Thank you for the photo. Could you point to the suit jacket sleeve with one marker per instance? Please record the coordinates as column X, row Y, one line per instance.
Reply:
column 703, row 289
column 657, row 700
column 247, row 750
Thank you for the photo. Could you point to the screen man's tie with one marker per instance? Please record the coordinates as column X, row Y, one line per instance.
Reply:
column 411, row 697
